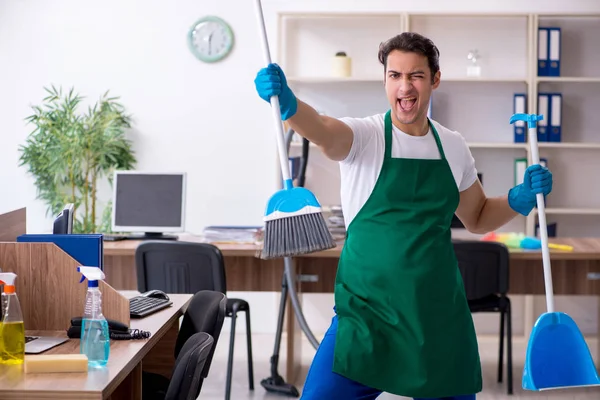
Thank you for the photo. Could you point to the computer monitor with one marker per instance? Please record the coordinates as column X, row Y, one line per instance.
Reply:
column 149, row 202
column 63, row 223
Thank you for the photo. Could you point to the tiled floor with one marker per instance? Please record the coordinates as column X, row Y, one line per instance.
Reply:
column 214, row 386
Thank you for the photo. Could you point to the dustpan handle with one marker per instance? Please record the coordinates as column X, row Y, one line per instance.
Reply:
column 283, row 155
column 535, row 157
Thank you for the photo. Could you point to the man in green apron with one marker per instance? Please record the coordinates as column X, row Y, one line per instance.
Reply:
column 402, row 324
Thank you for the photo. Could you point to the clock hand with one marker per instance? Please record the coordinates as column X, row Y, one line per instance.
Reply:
column 210, row 42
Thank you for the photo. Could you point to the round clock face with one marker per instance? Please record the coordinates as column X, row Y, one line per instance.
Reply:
column 210, row 39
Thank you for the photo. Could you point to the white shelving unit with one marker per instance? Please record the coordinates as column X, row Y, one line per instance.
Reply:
column 478, row 108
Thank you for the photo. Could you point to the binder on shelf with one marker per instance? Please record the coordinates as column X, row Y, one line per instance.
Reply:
column 555, row 117
column 543, row 42
column 86, row 249
column 554, row 50
column 520, row 106
column 543, row 109
column 520, row 167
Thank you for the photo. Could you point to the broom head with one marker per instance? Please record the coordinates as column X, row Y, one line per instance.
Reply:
column 294, row 225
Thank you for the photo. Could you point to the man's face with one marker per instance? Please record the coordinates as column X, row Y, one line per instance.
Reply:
column 408, row 86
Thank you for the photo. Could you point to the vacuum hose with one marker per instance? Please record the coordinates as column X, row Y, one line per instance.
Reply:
column 288, row 260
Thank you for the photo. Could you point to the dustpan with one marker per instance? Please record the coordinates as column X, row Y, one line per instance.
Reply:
column 557, row 355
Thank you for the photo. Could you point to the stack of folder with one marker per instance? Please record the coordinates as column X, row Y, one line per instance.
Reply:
column 550, row 106
column 233, row 234
column 335, row 223
column 548, row 129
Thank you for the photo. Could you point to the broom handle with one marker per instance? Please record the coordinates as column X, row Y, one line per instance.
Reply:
column 283, row 157
column 535, row 156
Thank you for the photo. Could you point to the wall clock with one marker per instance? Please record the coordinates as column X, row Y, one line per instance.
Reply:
column 210, row 39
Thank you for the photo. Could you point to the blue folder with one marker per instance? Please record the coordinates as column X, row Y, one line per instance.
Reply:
column 543, row 109
column 520, row 106
column 554, row 51
column 543, row 50
column 86, row 249
column 555, row 117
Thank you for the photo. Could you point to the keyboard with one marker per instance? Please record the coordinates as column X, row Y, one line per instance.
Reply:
column 141, row 306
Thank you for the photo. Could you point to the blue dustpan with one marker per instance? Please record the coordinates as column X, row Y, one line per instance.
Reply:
column 557, row 354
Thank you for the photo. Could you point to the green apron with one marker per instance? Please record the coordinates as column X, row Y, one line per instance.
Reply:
column 404, row 324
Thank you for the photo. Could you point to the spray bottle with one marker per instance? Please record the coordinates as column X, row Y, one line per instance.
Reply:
column 12, row 328
column 95, row 339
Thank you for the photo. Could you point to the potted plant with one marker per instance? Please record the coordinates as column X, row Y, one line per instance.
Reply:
column 69, row 154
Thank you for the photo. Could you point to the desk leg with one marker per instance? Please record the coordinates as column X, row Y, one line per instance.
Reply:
column 131, row 387
column 294, row 337
column 598, row 339
column 161, row 358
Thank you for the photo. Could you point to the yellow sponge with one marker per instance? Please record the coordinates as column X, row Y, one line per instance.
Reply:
column 47, row 363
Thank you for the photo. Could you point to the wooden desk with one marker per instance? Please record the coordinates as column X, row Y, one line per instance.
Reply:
column 574, row 273
column 121, row 379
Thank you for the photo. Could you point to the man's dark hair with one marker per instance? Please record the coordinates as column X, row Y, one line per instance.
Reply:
column 412, row 43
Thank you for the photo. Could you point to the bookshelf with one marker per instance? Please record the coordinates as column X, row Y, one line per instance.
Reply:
column 477, row 107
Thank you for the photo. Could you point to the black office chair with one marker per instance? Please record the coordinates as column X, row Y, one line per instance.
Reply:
column 484, row 268
column 184, row 267
column 205, row 314
column 187, row 374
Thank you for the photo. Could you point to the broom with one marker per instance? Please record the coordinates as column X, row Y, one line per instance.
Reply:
column 294, row 223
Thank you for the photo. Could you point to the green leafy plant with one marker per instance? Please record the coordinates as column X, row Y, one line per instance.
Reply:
column 69, row 153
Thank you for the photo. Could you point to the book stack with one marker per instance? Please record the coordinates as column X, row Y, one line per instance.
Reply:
column 233, row 234
column 335, row 223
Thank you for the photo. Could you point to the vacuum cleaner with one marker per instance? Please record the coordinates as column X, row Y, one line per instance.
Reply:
column 275, row 383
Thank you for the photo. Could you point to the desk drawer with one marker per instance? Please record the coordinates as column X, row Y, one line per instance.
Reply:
column 569, row 277
column 316, row 275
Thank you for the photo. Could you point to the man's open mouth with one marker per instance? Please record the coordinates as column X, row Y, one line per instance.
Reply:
column 407, row 103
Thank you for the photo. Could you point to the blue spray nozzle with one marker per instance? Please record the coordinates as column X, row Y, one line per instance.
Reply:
column 93, row 275
column 531, row 119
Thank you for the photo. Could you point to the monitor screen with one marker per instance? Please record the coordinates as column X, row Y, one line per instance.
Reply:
column 148, row 202
column 63, row 223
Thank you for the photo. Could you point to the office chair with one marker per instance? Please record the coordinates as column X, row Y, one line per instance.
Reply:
column 205, row 314
column 185, row 267
column 484, row 267
column 186, row 379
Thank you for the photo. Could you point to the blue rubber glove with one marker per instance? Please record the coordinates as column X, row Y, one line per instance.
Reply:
column 270, row 81
column 537, row 179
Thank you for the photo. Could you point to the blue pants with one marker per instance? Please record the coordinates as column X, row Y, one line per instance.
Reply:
column 324, row 384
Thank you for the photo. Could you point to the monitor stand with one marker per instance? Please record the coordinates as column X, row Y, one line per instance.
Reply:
column 151, row 236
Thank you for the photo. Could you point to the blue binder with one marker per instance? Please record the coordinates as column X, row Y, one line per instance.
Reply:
column 86, row 249
column 543, row 109
column 520, row 106
column 555, row 117
column 543, row 48
column 554, row 51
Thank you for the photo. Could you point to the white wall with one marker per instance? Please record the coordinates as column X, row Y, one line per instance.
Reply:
column 189, row 116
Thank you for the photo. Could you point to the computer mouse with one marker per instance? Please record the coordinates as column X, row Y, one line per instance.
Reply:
column 157, row 294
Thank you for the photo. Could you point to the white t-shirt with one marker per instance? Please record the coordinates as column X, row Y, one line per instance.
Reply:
column 360, row 169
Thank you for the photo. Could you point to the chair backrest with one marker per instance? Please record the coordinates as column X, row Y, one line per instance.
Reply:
column 179, row 267
column 205, row 313
column 484, row 267
column 186, row 378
